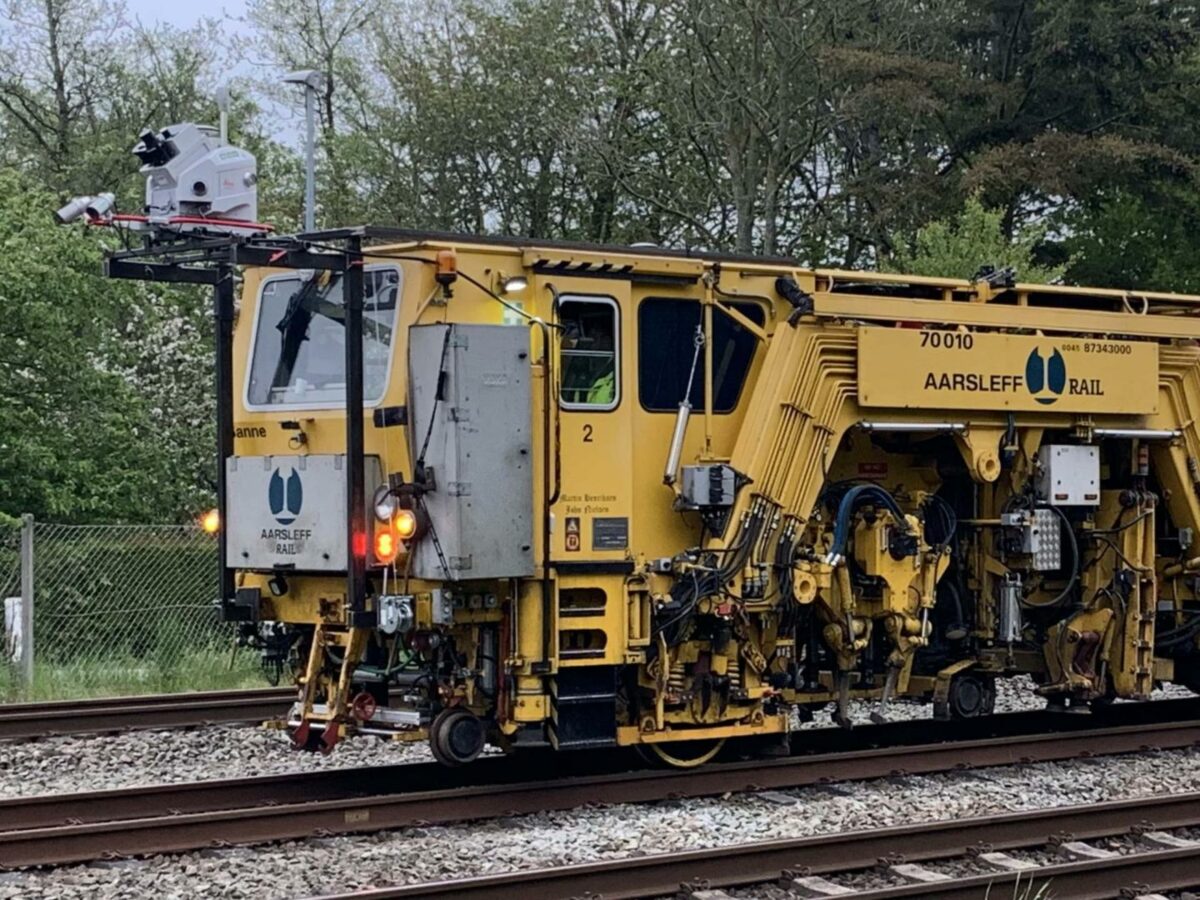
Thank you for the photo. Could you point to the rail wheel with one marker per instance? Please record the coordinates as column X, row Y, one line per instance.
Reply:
column 681, row 754
column 972, row 696
column 456, row 736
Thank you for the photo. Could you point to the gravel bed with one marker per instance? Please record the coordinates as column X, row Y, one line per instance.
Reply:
column 68, row 764
column 1012, row 695
column 868, row 879
column 88, row 763
column 960, row 867
column 297, row 869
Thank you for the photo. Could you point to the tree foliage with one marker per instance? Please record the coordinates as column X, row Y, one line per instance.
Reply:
column 86, row 432
column 963, row 246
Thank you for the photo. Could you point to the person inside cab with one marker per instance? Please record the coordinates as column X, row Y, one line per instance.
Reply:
column 588, row 353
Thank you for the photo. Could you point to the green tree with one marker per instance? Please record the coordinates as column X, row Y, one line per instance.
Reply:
column 105, row 387
column 1124, row 240
column 79, row 440
column 960, row 246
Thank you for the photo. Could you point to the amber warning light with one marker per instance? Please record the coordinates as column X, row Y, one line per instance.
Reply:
column 211, row 521
column 405, row 524
column 385, row 547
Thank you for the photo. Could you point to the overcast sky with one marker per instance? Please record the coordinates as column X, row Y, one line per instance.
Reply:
column 185, row 13
column 283, row 118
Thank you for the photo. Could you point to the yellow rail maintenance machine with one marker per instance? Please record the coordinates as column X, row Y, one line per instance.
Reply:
column 599, row 496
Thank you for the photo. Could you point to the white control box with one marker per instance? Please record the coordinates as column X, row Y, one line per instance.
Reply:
column 1069, row 475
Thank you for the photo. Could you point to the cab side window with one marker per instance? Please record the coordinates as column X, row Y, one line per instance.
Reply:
column 666, row 347
column 590, row 353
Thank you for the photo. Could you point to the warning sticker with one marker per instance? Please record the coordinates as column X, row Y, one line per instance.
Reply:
column 572, row 534
column 610, row 533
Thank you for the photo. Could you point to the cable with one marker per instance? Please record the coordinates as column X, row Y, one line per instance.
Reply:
column 510, row 306
column 437, row 397
column 432, row 262
column 949, row 521
column 1118, row 527
column 1075, row 558
column 1125, row 559
column 841, row 531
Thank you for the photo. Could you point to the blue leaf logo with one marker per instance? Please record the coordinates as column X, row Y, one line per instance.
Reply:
column 1035, row 372
column 1045, row 375
column 285, row 496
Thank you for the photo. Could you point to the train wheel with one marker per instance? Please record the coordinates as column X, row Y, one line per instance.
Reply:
column 681, row 754
column 972, row 696
column 456, row 736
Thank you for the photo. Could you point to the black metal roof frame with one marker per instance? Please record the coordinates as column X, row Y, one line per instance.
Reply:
column 404, row 235
column 211, row 259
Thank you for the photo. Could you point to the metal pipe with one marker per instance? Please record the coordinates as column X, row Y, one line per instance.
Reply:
column 1145, row 434
column 27, row 563
column 676, row 451
column 708, row 375
column 223, row 312
column 549, row 457
column 356, row 514
column 223, row 106
column 312, row 81
column 926, row 427
column 310, row 158
column 489, row 660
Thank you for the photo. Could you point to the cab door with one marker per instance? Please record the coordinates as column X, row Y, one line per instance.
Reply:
column 595, row 398
column 593, row 513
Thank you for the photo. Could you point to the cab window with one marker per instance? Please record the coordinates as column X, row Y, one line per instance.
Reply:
column 299, row 354
column 589, row 355
column 666, row 345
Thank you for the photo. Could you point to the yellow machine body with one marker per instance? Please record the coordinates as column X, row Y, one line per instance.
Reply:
column 858, row 500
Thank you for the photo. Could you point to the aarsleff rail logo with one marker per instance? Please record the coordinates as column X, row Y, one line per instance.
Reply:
column 285, row 496
column 1046, row 379
column 1005, row 372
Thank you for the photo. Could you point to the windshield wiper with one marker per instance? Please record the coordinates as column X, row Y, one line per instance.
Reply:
column 309, row 301
column 293, row 325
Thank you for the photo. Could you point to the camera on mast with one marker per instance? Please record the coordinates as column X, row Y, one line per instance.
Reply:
column 191, row 173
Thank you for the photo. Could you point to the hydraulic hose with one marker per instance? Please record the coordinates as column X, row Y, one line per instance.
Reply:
column 862, row 493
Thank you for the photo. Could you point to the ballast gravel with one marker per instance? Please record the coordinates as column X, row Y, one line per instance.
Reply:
column 311, row 868
column 69, row 764
column 89, row 763
column 298, row 869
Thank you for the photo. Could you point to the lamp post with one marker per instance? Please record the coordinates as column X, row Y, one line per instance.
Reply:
column 313, row 82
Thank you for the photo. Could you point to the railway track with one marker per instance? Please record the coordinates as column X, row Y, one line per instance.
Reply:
column 24, row 721
column 804, row 867
column 63, row 829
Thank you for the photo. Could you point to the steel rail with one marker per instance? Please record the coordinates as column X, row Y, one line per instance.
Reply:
column 502, row 790
column 1131, row 875
column 743, row 864
column 22, row 721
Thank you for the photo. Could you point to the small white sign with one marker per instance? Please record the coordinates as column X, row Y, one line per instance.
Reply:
column 12, row 628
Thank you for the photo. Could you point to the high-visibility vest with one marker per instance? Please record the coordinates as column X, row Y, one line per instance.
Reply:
column 603, row 389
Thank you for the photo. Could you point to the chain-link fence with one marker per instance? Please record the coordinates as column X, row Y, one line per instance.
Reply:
column 117, row 609
column 10, row 588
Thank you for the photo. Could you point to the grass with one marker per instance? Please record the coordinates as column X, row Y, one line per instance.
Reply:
column 196, row 670
column 1025, row 891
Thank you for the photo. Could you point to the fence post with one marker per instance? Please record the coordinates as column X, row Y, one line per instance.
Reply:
column 27, row 601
